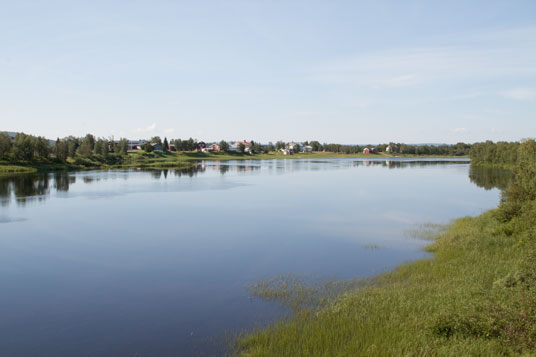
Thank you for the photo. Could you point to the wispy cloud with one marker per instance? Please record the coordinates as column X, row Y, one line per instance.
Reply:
column 147, row 129
column 476, row 58
column 519, row 94
column 169, row 130
column 400, row 81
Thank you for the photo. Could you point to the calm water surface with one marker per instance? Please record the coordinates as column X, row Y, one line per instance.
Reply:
column 156, row 262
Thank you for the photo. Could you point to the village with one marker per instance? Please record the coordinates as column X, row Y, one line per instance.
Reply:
column 243, row 146
column 16, row 146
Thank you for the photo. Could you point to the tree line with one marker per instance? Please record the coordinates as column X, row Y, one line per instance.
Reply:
column 28, row 147
column 497, row 154
column 520, row 157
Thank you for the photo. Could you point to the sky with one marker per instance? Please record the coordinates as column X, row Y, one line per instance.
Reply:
column 351, row 72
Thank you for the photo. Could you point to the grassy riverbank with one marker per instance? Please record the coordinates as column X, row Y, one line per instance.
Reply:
column 160, row 159
column 14, row 169
column 477, row 296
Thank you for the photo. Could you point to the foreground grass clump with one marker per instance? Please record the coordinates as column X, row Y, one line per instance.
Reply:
column 477, row 296
column 474, row 297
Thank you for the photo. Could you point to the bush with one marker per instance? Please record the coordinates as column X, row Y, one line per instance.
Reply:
column 522, row 187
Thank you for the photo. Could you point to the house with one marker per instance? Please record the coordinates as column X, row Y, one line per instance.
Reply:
column 388, row 148
column 366, row 151
column 135, row 144
column 172, row 147
column 292, row 144
column 247, row 145
column 287, row 151
column 214, row 147
column 157, row 146
column 307, row 148
column 201, row 146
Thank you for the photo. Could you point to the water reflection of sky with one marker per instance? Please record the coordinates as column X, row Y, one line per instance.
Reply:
column 155, row 262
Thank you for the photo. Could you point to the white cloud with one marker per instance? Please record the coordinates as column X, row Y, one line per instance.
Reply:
column 520, row 94
column 169, row 130
column 148, row 129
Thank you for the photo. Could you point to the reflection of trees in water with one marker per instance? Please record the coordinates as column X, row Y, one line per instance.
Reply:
column 489, row 178
column 190, row 171
column 23, row 187
column 30, row 187
column 395, row 164
column 247, row 168
column 223, row 169
column 90, row 179
column 37, row 186
column 315, row 165
column 62, row 181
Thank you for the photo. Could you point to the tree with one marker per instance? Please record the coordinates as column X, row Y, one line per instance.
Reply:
column 296, row 148
column 61, row 150
column 5, row 146
column 165, row 145
column 279, row 145
column 179, row 144
column 191, row 145
column 72, row 145
column 316, row 145
column 156, row 140
column 241, row 148
column 521, row 190
column 269, row 147
column 87, row 146
column 224, row 146
column 122, row 147
column 23, row 148
column 102, row 147
column 148, row 147
column 254, row 147
column 41, row 147
column 257, row 148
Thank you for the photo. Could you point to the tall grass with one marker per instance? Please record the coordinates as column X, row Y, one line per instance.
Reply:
column 476, row 297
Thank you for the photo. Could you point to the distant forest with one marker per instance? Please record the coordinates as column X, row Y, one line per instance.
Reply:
column 23, row 147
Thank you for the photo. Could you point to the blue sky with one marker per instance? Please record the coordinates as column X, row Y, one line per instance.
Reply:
column 333, row 71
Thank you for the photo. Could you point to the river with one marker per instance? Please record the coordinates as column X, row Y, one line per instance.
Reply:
column 131, row 262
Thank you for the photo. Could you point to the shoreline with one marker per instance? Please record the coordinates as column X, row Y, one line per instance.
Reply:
column 161, row 160
column 438, row 305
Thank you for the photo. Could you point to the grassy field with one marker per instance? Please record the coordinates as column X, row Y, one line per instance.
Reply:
column 473, row 298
